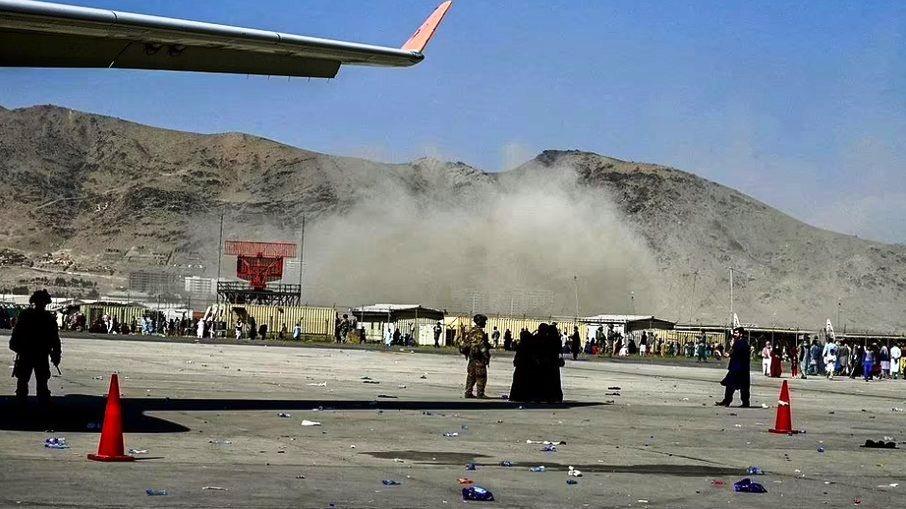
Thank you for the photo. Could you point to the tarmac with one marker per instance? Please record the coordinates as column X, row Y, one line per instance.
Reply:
column 207, row 416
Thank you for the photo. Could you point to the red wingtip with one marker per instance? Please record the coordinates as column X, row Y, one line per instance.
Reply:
column 422, row 36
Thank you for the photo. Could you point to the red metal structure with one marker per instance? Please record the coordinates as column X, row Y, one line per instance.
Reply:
column 259, row 262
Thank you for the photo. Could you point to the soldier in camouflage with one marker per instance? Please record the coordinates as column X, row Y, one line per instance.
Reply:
column 477, row 349
column 34, row 338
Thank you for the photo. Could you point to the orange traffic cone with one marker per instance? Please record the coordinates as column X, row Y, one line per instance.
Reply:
column 784, row 422
column 110, row 447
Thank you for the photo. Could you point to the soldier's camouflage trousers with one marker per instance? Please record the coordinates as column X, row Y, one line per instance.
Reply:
column 477, row 375
column 23, row 369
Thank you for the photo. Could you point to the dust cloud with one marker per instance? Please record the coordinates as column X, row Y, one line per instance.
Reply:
column 522, row 241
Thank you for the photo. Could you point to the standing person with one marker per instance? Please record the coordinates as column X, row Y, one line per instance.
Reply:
column 527, row 366
column 575, row 344
column 843, row 355
column 35, row 337
column 868, row 362
column 345, row 326
column 508, row 340
column 737, row 371
column 253, row 328
column 643, row 344
column 388, row 337
column 884, row 357
column 262, row 331
column 830, row 358
column 297, row 331
column 199, row 329
column 495, row 337
column 895, row 354
column 550, row 363
column 776, row 365
column 438, row 329
column 282, row 334
column 766, row 359
column 477, row 350
column 238, row 329
column 814, row 360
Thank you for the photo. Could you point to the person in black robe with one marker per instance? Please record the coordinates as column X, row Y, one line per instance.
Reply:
column 575, row 343
column 526, row 372
column 550, row 364
column 737, row 378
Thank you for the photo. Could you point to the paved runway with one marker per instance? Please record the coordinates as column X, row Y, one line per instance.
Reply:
column 208, row 417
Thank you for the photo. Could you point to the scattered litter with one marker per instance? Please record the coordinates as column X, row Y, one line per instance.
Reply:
column 477, row 493
column 572, row 481
column 56, row 443
column 754, row 471
column 539, row 468
column 506, row 463
column 470, row 466
column 611, row 393
column 284, row 415
column 545, row 442
column 424, row 376
column 300, row 476
column 765, row 405
column 464, row 427
column 641, row 501
column 717, row 483
column 133, row 452
column 98, row 377
column 821, row 448
column 398, row 460
column 390, row 482
column 213, row 488
column 573, row 472
column 224, row 442
column 352, row 446
column 880, row 444
column 465, row 481
column 450, row 435
column 371, row 382
column 306, row 422
column 549, row 448
column 614, row 388
column 895, row 409
column 156, row 493
column 322, row 384
column 401, row 386
column 386, row 396
column 747, row 486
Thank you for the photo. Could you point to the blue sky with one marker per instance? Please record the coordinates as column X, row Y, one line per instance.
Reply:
column 800, row 104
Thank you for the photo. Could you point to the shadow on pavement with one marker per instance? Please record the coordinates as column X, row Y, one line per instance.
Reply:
column 78, row 412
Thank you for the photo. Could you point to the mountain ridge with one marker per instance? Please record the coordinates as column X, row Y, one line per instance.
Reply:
column 77, row 177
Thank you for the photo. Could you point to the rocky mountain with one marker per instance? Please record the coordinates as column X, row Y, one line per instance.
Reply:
column 97, row 197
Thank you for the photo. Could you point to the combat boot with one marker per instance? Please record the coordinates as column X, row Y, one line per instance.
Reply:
column 469, row 395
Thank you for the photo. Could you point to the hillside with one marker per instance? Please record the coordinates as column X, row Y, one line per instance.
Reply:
column 98, row 196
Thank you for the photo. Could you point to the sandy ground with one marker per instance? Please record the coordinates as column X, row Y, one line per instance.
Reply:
column 660, row 443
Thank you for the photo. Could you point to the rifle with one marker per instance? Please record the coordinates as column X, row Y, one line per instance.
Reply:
column 15, row 365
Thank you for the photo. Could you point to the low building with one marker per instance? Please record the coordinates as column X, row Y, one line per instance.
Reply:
column 624, row 324
column 414, row 319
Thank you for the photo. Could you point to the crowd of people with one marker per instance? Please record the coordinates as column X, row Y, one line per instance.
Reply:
column 868, row 360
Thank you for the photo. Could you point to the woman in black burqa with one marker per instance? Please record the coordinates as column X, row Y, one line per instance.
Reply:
column 537, row 362
column 525, row 376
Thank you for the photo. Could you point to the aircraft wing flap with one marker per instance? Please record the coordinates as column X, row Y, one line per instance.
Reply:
column 40, row 34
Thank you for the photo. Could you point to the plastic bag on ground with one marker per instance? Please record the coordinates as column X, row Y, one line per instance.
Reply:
column 747, row 486
column 477, row 493
column 56, row 443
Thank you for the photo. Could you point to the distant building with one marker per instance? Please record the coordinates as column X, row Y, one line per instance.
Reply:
column 155, row 282
column 201, row 285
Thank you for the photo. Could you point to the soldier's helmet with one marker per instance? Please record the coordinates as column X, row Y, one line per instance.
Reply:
column 40, row 297
column 480, row 320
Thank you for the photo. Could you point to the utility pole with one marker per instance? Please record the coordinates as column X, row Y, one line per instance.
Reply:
column 576, row 283
column 301, row 258
column 219, row 257
column 731, row 296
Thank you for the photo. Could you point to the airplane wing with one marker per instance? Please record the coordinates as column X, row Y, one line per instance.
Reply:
column 42, row 34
